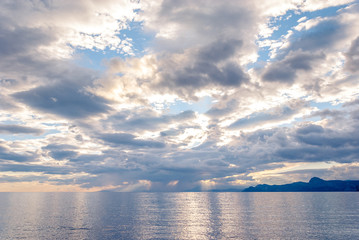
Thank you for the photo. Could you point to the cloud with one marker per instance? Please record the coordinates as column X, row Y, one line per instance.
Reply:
column 314, row 5
column 130, row 140
column 286, row 70
column 63, row 99
column 17, row 129
column 193, row 59
column 183, row 22
column 281, row 94
column 61, row 155
column 315, row 143
column 352, row 56
column 201, row 70
column 323, row 35
column 6, row 104
column 97, row 27
column 23, row 40
column 310, row 128
column 7, row 155
column 320, row 137
column 276, row 114
column 203, row 73
column 220, row 50
column 61, row 151
column 147, row 120
column 34, row 168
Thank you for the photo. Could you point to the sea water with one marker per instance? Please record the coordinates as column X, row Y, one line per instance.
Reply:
column 106, row 215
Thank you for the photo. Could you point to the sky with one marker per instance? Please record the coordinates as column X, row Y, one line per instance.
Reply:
column 130, row 95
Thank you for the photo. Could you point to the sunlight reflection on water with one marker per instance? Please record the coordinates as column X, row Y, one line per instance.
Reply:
column 179, row 215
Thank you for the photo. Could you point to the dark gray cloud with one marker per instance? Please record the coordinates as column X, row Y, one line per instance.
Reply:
column 204, row 73
column 63, row 99
column 351, row 103
column 285, row 71
column 22, row 40
column 322, row 36
column 86, row 158
column 54, row 146
column 318, row 154
column 7, row 154
column 13, row 157
column 36, row 168
column 129, row 140
column 20, row 48
column 317, row 136
column 325, row 113
column 171, row 132
column 61, row 151
column 209, row 66
column 315, row 143
column 310, row 128
column 146, row 120
column 219, row 50
column 61, row 155
column 352, row 56
column 17, row 129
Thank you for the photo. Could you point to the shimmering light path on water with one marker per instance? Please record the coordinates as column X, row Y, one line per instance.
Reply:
column 179, row 215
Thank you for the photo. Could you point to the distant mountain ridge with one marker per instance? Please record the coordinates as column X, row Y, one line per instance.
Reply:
column 314, row 185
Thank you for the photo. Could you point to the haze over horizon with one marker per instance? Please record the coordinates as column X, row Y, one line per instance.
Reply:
column 130, row 95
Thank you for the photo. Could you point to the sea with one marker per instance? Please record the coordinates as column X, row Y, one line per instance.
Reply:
column 187, row 215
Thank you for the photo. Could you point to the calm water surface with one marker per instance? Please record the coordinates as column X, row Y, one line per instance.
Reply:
column 179, row 215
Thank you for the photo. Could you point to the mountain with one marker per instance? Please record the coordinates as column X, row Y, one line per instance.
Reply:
column 314, row 185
